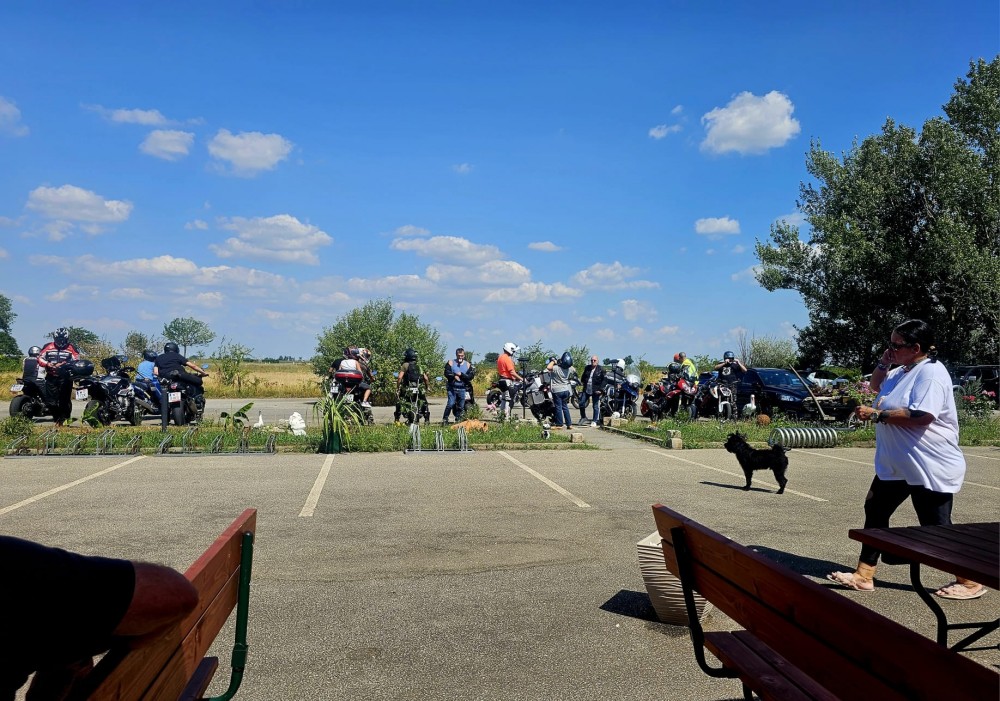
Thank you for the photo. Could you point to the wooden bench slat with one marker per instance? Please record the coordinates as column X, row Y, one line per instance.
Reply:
column 124, row 675
column 840, row 644
column 775, row 677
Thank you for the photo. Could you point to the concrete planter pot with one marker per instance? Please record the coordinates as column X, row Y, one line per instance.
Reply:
column 664, row 589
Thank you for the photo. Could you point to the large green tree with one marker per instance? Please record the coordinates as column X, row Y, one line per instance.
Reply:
column 188, row 331
column 904, row 225
column 387, row 334
column 8, row 346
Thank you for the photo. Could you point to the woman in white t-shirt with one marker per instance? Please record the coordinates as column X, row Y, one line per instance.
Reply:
column 916, row 448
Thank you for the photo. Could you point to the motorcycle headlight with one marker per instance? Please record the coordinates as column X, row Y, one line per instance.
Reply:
column 789, row 398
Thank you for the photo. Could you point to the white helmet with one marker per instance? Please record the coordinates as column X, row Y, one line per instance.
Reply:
column 620, row 364
column 509, row 347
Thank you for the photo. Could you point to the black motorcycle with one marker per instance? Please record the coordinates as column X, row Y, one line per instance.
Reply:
column 714, row 399
column 34, row 400
column 186, row 402
column 536, row 396
column 110, row 396
column 620, row 397
column 413, row 404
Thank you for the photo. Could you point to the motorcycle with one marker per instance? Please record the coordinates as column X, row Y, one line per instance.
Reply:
column 715, row 398
column 620, row 397
column 110, row 397
column 536, row 396
column 667, row 397
column 347, row 385
column 147, row 395
column 186, row 402
column 575, row 393
column 413, row 403
column 33, row 400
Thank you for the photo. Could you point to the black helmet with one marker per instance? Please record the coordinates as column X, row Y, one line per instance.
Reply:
column 674, row 369
column 171, row 347
column 566, row 361
column 60, row 337
column 729, row 355
column 409, row 355
column 149, row 355
column 34, row 352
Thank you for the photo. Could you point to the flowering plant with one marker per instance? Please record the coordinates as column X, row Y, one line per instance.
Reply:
column 975, row 402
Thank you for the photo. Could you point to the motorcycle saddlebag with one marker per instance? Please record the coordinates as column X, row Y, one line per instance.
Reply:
column 80, row 368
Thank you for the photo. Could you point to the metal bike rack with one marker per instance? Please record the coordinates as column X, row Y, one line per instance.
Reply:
column 50, row 438
column 165, row 444
column 821, row 437
column 76, row 446
column 416, row 446
column 105, row 443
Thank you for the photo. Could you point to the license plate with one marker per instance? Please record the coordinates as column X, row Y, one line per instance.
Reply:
column 174, row 397
column 16, row 388
column 335, row 390
column 468, row 396
column 348, row 398
column 82, row 394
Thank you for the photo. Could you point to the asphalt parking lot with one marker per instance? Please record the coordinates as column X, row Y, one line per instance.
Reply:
column 466, row 575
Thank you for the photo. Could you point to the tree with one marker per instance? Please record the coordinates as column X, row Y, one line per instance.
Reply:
column 8, row 345
column 188, row 332
column 904, row 225
column 136, row 343
column 377, row 327
column 230, row 359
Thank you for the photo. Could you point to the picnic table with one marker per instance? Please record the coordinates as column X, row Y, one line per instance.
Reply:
column 970, row 550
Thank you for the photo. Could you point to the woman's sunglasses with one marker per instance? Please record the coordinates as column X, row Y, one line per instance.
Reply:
column 900, row 346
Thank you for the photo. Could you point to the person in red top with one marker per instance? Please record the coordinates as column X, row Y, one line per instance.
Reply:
column 59, row 386
column 508, row 379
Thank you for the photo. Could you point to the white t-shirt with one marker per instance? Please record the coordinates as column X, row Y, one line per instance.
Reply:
column 928, row 456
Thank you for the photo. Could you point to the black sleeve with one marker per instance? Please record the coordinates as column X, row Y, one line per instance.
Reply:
column 449, row 370
column 57, row 606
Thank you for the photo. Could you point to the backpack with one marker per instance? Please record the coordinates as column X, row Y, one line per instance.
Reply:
column 412, row 374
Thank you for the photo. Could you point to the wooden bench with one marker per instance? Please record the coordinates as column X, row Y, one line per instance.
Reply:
column 174, row 667
column 800, row 639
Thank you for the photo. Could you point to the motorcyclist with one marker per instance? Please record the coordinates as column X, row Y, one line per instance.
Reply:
column 30, row 369
column 170, row 364
column 410, row 372
column 688, row 368
column 592, row 387
column 455, row 371
column 58, row 385
column 146, row 373
column 731, row 368
column 507, row 379
column 357, row 360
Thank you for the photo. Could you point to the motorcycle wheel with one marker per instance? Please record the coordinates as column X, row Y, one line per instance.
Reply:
column 575, row 401
column 177, row 415
column 135, row 418
column 726, row 412
column 95, row 409
column 628, row 411
column 22, row 405
column 493, row 397
column 693, row 410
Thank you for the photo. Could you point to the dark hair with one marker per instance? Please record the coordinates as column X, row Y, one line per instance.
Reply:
column 918, row 331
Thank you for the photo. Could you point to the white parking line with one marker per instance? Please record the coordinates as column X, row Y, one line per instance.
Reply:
column 977, row 455
column 576, row 500
column 56, row 490
column 872, row 465
column 834, row 457
column 732, row 474
column 313, row 499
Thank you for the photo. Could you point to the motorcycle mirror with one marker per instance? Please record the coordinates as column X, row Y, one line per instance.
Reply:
column 205, row 366
column 438, row 378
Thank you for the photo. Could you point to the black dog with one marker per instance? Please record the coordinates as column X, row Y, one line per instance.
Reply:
column 752, row 459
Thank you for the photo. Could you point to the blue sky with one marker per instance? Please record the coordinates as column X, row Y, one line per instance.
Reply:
column 580, row 173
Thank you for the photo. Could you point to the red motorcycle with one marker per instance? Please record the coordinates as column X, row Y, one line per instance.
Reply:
column 673, row 393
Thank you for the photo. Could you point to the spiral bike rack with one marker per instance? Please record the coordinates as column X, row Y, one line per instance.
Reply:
column 817, row 437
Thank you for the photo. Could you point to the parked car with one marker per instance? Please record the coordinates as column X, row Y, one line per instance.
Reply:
column 777, row 390
column 987, row 375
column 825, row 378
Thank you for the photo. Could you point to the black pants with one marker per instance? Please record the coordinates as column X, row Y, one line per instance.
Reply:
column 885, row 496
column 60, row 391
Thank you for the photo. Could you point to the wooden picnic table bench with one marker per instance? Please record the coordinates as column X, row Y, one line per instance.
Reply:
column 800, row 639
column 174, row 668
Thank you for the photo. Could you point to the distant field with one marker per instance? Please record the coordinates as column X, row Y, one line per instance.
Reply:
column 269, row 380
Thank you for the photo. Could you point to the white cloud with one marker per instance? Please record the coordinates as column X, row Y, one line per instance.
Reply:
column 451, row 249
column 633, row 309
column 10, row 119
column 716, row 227
column 545, row 246
column 281, row 237
column 677, row 110
column 167, row 144
column 667, row 330
column 390, row 284
column 462, row 168
column 331, row 298
column 750, row 124
column 613, row 276
column 662, row 130
column 149, row 118
column 605, row 334
column 68, row 206
column 746, row 275
column 793, row 219
column 554, row 327
column 534, row 292
column 73, row 292
column 738, row 249
column 590, row 319
column 211, row 300
column 249, row 153
column 129, row 293
column 493, row 273
column 4, row 254
column 411, row 230
column 199, row 224
column 637, row 332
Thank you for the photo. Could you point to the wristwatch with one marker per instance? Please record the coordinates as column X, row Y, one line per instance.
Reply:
column 881, row 366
